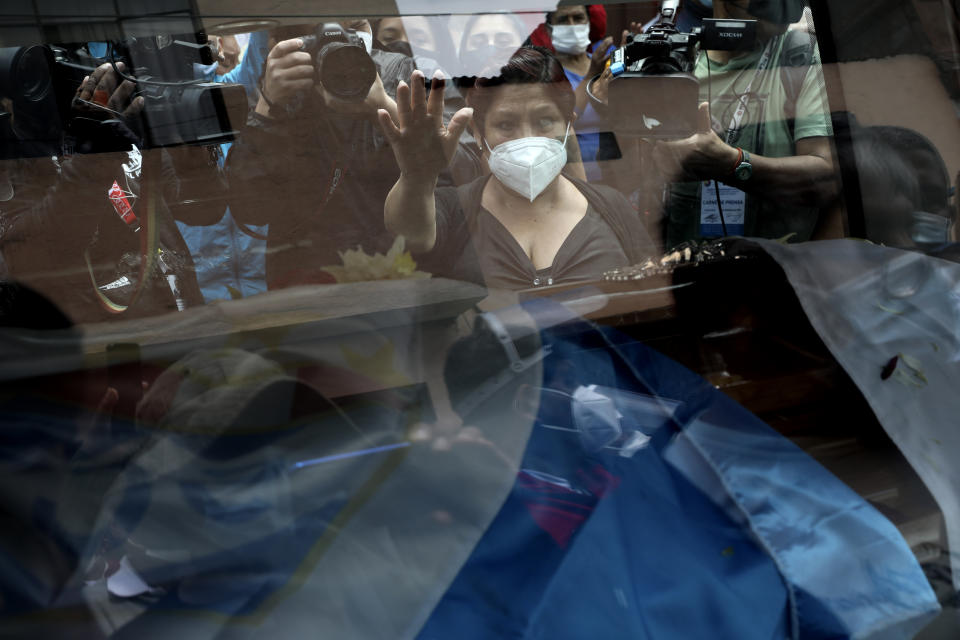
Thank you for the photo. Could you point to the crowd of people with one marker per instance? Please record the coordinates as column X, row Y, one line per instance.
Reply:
column 485, row 143
column 480, row 149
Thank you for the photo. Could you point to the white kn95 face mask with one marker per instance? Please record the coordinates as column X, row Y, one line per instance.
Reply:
column 528, row 165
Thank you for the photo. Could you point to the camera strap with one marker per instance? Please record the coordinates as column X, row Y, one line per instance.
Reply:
column 723, row 207
column 149, row 241
column 737, row 120
column 341, row 164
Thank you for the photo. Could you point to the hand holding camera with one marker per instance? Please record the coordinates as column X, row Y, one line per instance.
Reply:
column 101, row 95
column 701, row 156
column 650, row 89
column 334, row 61
column 105, row 112
column 288, row 71
column 601, row 53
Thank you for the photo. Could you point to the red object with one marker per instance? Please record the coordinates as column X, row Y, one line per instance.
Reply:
column 560, row 511
column 541, row 38
column 739, row 160
column 121, row 205
column 598, row 28
column 598, row 22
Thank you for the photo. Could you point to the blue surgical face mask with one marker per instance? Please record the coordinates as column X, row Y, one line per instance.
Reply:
column 929, row 229
column 97, row 49
column 204, row 71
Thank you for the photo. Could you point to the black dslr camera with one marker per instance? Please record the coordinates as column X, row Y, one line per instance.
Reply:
column 654, row 93
column 343, row 66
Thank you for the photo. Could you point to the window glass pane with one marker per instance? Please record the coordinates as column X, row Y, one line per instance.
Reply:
column 486, row 319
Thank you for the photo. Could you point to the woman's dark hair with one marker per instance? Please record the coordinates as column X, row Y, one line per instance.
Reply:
column 888, row 186
column 907, row 143
column 529, row 65
column 881, row 167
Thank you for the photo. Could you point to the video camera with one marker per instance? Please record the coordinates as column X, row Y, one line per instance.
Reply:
column 41, row 82
column 653, row 93
column 344, row 67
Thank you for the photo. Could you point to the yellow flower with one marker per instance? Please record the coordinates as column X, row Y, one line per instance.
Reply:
column 359, row 266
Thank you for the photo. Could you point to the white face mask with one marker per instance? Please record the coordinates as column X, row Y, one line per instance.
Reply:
column 929, row 228
column 367, row 39
column 528, row 165
column 570, row 38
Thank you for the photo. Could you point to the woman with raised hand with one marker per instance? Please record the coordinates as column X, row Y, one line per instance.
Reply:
column 527, row 224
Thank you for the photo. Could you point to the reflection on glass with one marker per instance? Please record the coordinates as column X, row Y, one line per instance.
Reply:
column 488, row 41
column 462, row 349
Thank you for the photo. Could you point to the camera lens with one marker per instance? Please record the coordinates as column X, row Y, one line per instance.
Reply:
column 32, row 73
column 25, row 73
column 346, row 71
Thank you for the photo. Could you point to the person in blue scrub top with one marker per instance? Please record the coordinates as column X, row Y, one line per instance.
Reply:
column 571, row 30
column 229, row 260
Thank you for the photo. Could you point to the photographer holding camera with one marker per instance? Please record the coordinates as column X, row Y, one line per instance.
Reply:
column 761, row 158
column 90, row 223
column 313, row 163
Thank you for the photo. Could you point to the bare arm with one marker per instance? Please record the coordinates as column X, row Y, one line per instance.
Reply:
column 423, row 147
column 807, row 178
column 410, row 211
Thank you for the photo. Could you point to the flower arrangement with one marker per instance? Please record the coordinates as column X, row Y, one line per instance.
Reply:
column 359, row 266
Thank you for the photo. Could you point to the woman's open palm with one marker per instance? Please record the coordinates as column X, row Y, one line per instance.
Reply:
column 421, row 143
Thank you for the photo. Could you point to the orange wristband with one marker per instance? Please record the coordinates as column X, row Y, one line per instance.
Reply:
column 739, row 160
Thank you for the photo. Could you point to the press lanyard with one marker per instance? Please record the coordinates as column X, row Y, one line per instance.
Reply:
column 718, row 199
column 744, row 97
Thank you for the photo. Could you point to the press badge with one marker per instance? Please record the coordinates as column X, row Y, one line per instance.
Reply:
column 734, row 204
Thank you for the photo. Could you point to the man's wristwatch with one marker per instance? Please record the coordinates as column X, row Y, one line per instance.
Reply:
column 742, row 169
